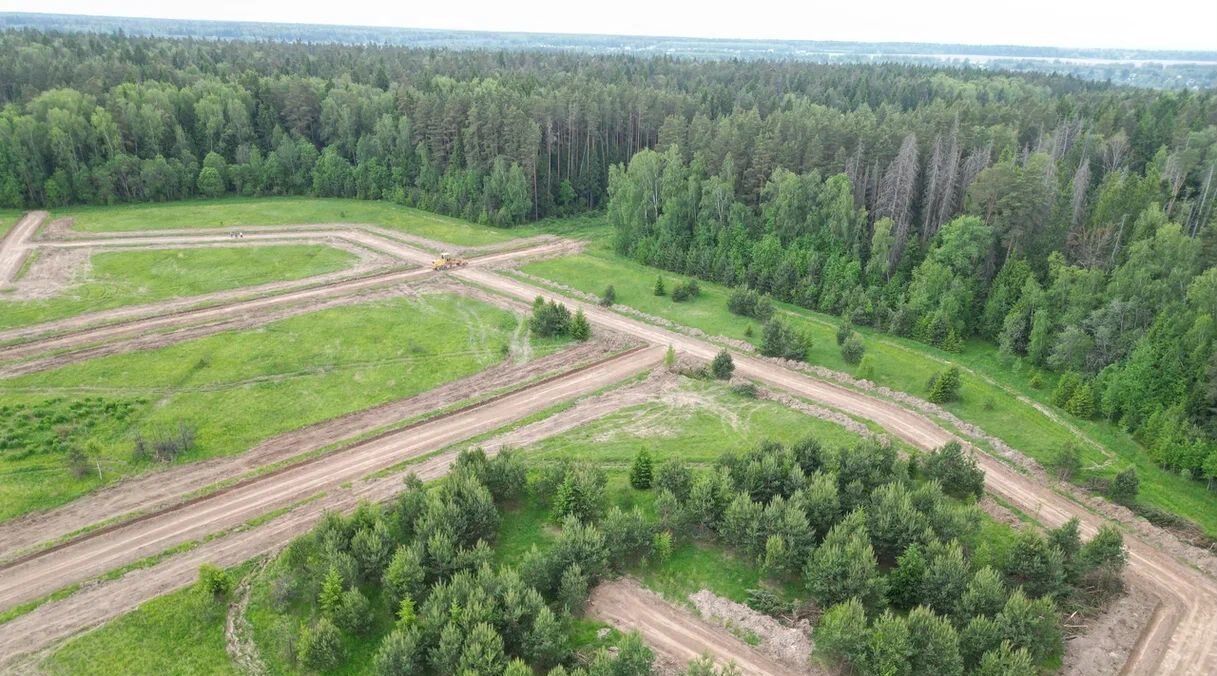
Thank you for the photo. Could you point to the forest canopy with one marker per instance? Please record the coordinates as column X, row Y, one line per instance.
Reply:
column 1070, row 222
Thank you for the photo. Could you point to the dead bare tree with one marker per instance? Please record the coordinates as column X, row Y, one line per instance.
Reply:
column 978, row 161
column 1115, row 152
column 896, row 192
column 942, row 177
column 1081, row 185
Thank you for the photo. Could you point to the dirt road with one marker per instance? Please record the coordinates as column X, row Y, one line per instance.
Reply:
column 15, row 245
column 1180, row 639
column 676, row 635
column 1183, row 636
column 217, row 315
column 98, row 553
column 158, row 490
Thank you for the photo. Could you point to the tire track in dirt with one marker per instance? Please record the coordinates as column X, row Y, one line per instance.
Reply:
column 105, row 550
column 1183, row 637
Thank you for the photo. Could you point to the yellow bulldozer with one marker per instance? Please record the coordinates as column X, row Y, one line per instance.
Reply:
column 447, row 261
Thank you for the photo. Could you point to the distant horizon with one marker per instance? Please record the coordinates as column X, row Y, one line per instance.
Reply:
column 225, row 11
column 656, row 36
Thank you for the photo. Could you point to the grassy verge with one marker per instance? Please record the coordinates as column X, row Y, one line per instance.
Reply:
column 228, row 212
column 121, row 278
column 8, row 218
column 989, row 393
column 237, row 388
column 179, row 633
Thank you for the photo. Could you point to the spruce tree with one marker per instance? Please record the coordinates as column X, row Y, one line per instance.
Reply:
column 640, row 471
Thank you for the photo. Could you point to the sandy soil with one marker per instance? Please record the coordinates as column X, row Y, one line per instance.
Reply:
column 159, row 489
column 675, row 634
column 1104, row 645
column 790, row 645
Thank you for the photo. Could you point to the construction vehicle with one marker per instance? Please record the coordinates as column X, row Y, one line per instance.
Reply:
column 447, row 261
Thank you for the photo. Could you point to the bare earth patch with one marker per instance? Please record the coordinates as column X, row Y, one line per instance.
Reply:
column 1108, row 640
column 787, row 644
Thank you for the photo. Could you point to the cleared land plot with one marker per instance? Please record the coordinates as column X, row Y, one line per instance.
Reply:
column 905, row 366
column 236, row 389
column 120, row 278
column 238, row 212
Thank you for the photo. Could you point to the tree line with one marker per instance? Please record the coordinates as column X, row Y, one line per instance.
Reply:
column 1070, row 222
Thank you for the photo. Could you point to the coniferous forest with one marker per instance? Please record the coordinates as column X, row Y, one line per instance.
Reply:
column 1072, row 223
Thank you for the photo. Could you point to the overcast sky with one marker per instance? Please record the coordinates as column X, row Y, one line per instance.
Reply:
column 1173, row 24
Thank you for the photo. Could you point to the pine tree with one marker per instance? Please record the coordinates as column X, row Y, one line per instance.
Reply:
column 722, row 366
column 580, row 328
column 944, row 386
column 640, row 471
column 660, row 289
column 330, row 598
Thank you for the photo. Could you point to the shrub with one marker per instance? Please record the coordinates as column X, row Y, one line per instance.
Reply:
column 779, row 340
column 686, row 291
column 1067, row 462
column 660, row 289
column 1125, row 486
column 866, row 369
column 215, row 581
column 580, row 328
column 852, row 349
column 722, row 366
column 609, row 296
column 747, row 390
column 549, row 318
column 748, row 303
column 944, row 386
column 320, row 646
column 1064, row 389
column 844, row 331
column 661, row 546
column 957, row 471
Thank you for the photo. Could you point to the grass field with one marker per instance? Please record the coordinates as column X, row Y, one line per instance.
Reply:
column 280, row 211
column 8, row 218
column 119, row 278
column 179, row 633
column 906, row 366
column 239, row 388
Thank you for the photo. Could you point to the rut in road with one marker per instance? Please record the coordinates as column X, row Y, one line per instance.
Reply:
column 43, row 573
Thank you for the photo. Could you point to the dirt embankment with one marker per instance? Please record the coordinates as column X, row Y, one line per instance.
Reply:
column 676, row 635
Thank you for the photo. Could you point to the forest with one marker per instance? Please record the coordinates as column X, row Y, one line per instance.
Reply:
column 1070, row 222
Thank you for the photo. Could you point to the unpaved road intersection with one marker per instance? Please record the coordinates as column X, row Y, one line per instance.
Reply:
column 1181, row 638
